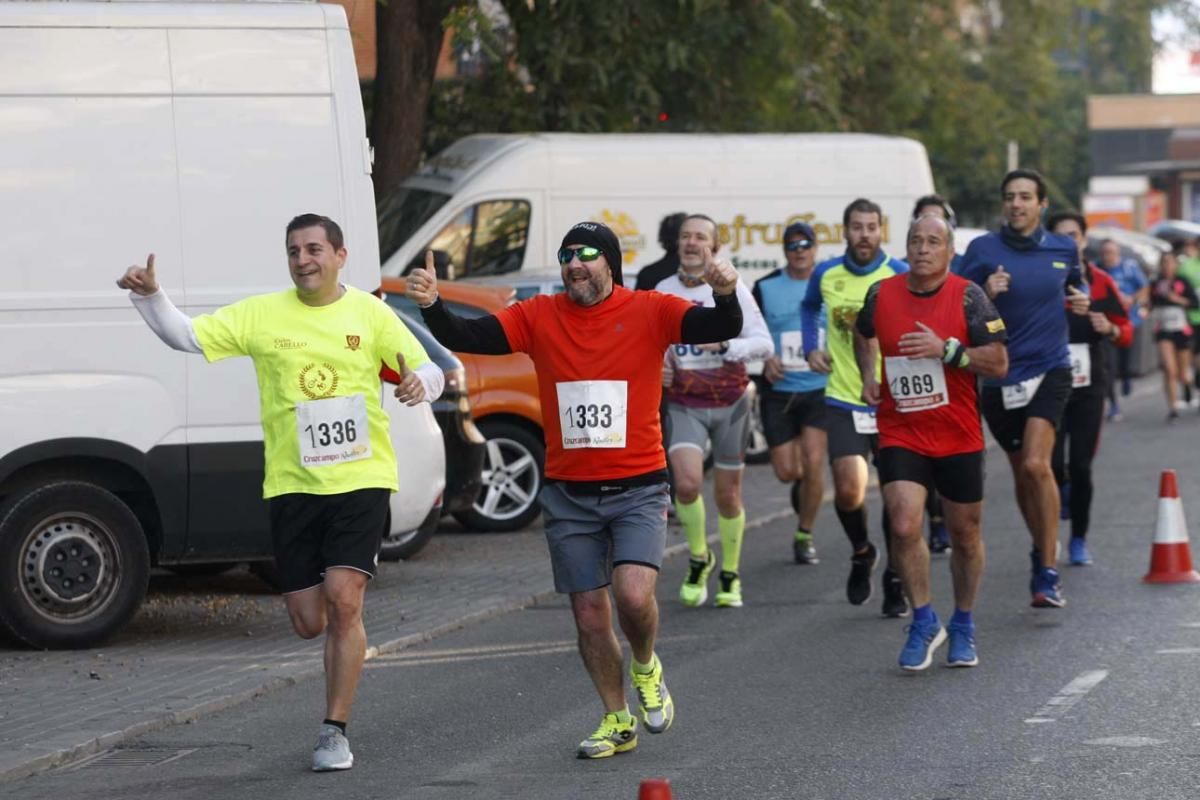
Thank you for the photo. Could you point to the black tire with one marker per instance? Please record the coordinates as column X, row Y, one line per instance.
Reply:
column 512, row 479
column 74, row 565
column 757, row 450
column 408, row 544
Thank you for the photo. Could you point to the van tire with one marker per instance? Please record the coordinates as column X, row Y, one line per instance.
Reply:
column 406, row 545
column 58, row 540
column 509, row 446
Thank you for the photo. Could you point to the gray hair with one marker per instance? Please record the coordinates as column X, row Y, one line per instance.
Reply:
column 944, row 220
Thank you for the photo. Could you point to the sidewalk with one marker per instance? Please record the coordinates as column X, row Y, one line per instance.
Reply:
column 200, row 645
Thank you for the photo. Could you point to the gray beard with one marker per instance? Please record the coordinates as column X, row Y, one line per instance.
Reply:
column 587, row 294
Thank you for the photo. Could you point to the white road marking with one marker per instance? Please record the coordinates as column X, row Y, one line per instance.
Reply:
column 1068, row 696
column 1124, row 741
column 1178, row 651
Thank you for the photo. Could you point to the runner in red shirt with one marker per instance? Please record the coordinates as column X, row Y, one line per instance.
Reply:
column 598, row 349
column 936, row 332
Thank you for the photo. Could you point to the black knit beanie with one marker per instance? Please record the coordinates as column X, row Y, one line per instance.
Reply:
column 601, row 237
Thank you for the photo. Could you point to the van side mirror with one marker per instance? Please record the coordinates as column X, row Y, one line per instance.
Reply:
column 442, row 265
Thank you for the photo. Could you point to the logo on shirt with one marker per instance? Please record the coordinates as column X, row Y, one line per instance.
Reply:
column 352, row 341
column 843, row 318
column 1059, row 264
column 995, row 325
column 283, row 343
column 318, row 380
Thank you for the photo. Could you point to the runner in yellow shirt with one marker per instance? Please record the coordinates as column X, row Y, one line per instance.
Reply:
column 317, row 349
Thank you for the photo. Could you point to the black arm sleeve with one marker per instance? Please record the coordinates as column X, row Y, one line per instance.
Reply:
column 865, row 322
column 984, row 325
column 720, row 323
column 484, row 335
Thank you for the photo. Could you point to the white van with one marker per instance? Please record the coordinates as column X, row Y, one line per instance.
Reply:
column 194, row 131
column 493, row 204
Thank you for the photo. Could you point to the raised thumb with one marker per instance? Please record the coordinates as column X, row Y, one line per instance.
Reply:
column 401, row 367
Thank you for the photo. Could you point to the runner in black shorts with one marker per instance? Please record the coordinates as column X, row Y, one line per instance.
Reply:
column 793, row 407
column 1030, row 274
column 936, row 333
column 1170, row 299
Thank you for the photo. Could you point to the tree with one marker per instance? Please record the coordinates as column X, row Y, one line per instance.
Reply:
column 408, row 40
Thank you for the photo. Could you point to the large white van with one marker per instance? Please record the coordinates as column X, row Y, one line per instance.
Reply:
column 194, row 131
column 493, row 204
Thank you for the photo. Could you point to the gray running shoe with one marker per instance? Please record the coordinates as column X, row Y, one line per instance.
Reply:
column 332, row 750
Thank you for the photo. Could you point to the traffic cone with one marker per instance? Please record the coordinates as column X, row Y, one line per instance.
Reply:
column 655, row 789
column 1170, row 556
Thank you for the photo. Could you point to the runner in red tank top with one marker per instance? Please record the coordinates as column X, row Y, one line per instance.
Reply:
column 935, row 332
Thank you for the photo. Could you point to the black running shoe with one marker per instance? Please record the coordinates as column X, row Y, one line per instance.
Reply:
column 858, row 585
column 894, row 603
column 803, row 551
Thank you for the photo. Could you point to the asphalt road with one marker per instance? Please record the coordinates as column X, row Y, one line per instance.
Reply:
column 796, row 695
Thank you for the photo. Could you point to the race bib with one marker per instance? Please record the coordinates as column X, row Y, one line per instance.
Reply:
column 792, row 354
column 593, row 413
column 864, row 422
column 1019, row 394
column 333, row 430
column 1081, row 366
column 1171, row 319
column 690, row 356
column 916, row 384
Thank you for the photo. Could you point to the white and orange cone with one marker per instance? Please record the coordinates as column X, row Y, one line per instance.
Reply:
column 1170, row 556
column 654, row 789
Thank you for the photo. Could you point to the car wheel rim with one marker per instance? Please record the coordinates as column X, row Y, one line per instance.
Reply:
column 70, row 567
column 511, row 480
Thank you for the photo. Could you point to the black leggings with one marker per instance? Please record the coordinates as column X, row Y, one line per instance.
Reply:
column 1081, row 425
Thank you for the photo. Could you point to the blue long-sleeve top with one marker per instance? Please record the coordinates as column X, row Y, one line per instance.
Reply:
column 1042, row 266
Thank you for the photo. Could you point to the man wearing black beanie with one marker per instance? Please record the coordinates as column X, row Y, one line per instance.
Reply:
column 598, row 349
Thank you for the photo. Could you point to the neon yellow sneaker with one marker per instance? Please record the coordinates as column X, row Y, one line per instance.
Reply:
column 729, row 593
column 612, row 737
column 654, row 701
column 695, row 586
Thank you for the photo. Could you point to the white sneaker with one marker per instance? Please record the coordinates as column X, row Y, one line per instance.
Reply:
column 332, row 751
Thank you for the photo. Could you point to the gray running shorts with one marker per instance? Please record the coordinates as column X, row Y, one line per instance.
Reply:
column 726, row 427
column 589, row 533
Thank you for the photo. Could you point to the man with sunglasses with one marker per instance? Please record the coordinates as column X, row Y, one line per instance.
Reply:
column 707, row 403
column 793, row 407
column 839, row 286
column 598, row 352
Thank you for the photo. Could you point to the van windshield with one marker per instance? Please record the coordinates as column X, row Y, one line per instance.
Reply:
column 401, row 213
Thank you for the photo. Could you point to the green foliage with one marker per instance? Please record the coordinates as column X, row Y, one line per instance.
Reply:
column 1021, row 71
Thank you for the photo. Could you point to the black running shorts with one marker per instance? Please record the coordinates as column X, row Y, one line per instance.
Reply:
column 957, row 478
column 315, row 532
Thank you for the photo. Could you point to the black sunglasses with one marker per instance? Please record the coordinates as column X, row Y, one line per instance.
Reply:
column 584, row 253
column 798, row 244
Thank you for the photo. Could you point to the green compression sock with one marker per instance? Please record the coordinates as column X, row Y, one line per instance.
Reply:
column 731, row 531
column 691, row 517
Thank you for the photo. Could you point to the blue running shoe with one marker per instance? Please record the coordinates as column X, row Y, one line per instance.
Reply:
column 1064, row 501
column 962, row 646
column 923, row 639
column 939, row 537
column 1035, row 566
column 1080, row 555
column 1047, row 592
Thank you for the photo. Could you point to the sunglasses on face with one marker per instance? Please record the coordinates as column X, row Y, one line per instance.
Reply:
column 585, row 254
column 799, row 244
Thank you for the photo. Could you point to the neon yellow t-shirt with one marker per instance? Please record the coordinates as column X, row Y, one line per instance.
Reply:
column 324, row 428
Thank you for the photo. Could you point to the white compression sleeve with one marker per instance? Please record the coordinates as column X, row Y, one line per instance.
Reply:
column 168, row 322
column 433, row 378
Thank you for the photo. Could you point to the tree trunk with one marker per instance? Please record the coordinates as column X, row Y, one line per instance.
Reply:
column 408, row 40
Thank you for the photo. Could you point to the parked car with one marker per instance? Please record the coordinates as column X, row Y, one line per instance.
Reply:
column 504, row 403
column 464, row 444
column 1176, row 230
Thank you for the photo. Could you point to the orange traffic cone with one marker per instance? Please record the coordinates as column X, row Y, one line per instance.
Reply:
column 655, row 789
column 1170, row 557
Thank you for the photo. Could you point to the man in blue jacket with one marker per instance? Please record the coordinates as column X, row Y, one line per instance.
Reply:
column 1029, row 274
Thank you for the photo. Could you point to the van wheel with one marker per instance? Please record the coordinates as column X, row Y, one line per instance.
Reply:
column 407, row 544
column 512, row 478
column 74, row 565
